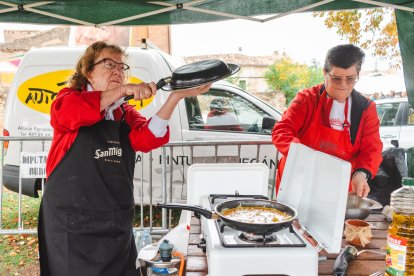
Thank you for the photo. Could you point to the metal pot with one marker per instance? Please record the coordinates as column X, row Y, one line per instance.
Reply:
column 195, row 74
column 360, row 208
column 254, row 228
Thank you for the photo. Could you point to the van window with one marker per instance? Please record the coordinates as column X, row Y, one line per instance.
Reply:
column 387, row 113
column 219, row 110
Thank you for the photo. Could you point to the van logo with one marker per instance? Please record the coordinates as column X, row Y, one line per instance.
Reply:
column 39, row 92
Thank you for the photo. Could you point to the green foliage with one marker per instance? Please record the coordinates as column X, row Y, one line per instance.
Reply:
column 373, row 29
column 290, row 77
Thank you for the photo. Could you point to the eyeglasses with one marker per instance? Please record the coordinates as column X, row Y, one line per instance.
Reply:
column 110, row 64
column 338, row 80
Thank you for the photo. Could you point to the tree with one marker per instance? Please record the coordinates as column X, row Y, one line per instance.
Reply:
column 290, row 77
column 374, row 29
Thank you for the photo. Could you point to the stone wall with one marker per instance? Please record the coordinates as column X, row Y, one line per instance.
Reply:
column 55, row 37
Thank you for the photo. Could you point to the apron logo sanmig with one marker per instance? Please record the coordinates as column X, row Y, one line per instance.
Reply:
column 39, row 92
column 114, row 151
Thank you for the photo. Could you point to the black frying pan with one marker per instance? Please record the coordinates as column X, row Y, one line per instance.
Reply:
column 195, row 74
column 255, row 228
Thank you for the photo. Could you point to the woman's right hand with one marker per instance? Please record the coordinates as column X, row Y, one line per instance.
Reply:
column 359, row 184
column 140, row 91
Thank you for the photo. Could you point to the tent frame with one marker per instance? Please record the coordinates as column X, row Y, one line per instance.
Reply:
column 185, row 6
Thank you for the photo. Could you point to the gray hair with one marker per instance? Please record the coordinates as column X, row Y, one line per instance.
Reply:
column 344, row 56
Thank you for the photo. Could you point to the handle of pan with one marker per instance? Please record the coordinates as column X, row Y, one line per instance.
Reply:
column 196, row 209
column 343, row 259
column 160, row 84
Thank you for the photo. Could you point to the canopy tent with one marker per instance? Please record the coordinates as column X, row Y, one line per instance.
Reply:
column 141, row 12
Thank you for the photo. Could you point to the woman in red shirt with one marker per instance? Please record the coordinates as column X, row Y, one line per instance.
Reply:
column 335, row 119
column 85, row 218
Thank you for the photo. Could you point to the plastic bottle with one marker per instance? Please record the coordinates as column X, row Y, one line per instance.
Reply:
column 137, row 235
column 400, row 239
column 143, row 240
column 166, row 251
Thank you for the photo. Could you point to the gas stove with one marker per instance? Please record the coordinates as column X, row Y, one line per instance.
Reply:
column 229, row 254
column 315, row 184
column 236, row 239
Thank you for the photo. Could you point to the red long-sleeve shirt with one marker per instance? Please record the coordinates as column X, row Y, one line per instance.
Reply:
column 73, row 109
column 364, row 126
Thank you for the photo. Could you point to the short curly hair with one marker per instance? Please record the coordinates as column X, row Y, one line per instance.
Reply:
column 85, row 64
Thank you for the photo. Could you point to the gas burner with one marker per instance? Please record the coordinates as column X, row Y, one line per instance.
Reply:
column 259, row 239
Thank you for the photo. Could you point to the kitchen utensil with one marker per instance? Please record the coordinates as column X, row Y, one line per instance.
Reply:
column 195, row 74
column 347, row 254
column 255, row 228
column 360, row 207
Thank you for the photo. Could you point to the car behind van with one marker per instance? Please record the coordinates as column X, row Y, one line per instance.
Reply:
column 396, row 121
column 43, row 72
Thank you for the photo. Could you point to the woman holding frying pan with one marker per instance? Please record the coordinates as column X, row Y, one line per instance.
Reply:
column 85, row 219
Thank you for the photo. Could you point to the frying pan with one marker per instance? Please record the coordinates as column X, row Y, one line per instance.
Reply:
column 195, row 74
column 254, row 228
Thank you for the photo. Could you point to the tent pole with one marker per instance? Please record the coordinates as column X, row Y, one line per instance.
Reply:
column 298, row 10
column 385, row 5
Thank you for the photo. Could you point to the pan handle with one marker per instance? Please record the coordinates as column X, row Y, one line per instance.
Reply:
column 344, row 258
column 160, row 84
column 195, row 208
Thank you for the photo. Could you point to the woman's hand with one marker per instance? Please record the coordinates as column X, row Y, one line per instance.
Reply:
column 168, row 107
column 192, row 92
column 140, row 91
column 360, row 185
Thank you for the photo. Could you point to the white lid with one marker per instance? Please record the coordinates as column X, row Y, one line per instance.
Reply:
column 316, row 185
column 226, row 178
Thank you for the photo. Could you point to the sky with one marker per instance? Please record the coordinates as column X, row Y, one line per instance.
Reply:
column 290, row 34
column 301, row 36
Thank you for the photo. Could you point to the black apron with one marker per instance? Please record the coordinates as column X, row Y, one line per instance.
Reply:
column 85, row 218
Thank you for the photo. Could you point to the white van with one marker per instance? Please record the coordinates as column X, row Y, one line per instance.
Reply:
column 43, row 72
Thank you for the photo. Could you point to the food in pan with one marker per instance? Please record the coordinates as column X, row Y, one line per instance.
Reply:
column 255, row 214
